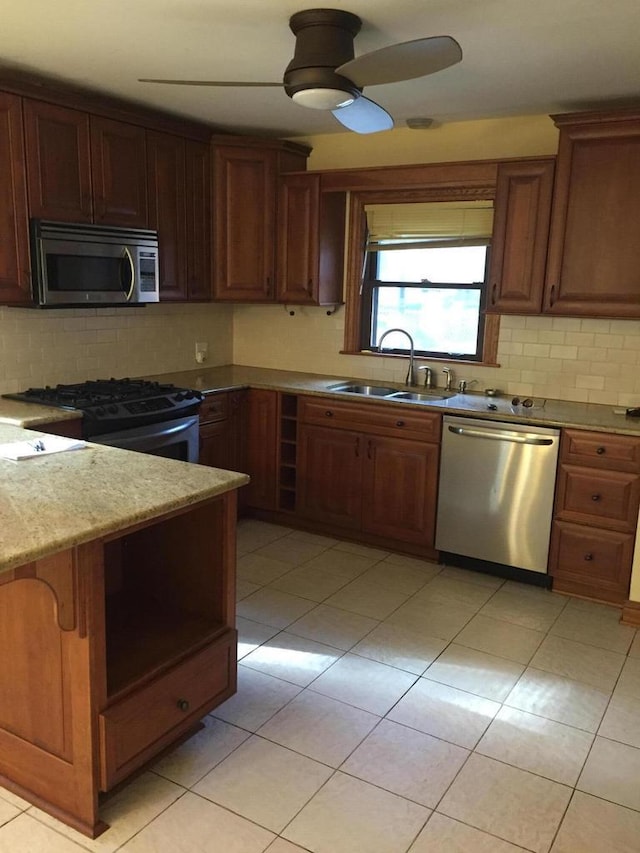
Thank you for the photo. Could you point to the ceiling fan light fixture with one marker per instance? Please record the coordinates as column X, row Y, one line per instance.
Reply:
column 323, row 98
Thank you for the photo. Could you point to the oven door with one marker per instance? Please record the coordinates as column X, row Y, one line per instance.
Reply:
column 177, row 439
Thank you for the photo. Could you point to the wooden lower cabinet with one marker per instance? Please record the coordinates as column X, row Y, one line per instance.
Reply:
column 261, row 448
column 110, row 652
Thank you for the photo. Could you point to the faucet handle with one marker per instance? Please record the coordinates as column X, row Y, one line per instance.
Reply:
column 464, row 384
column 428, row 373
column 449, row 374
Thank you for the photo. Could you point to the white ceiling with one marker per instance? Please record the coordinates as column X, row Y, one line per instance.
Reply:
column 519, row 56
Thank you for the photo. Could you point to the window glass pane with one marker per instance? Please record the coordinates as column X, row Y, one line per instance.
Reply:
column 460, row 265
column 439, row 319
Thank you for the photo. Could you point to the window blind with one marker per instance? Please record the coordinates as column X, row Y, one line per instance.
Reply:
column 418, row 225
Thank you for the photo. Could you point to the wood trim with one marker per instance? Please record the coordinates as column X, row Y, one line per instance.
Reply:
column 631, row 613
column 470, row 175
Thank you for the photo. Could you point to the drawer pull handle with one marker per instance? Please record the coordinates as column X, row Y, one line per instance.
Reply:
column 328, row 414
column 588, row 557
column 601, row 450
column 358, row 446
column 183, row 705
column 400, row 423
column 595, row 497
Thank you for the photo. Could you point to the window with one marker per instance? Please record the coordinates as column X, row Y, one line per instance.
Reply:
column 425, row 272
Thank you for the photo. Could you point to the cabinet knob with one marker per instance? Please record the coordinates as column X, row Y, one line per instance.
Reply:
column 595, row 497
column 328, row 413
column 400, row 423
column 601, row 450
column 183, row 705
column 552, row 295
column 588, row 557
column 493, row 293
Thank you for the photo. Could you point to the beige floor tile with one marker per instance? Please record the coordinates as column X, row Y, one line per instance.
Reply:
column 608, row 611
column 595, row 628
column 634, row 651
column 192, row 822
column 25, row 834
column 319, row 727
column 476, row 672
column 413, row 562
column 504, row 801
column 621, row 721
column 258, row 698
column 193, row 759
column 350, row 816
column 293, row 658
column 398, row 647
column 332, row 626
column 362, row 597
column 253, row 534
column 529, row 607
column 444, row 835
column 344, row 564
column 595, row 826
column 14, row 800
column 261, row 570
column 629, row 681
column 314, row 538
column 281, row 845
column 272, row 607
column 308, row 582
column 7, row 812
column 468, row 576
column 598, row 667
column 292, row 551
column 533, row 743
column 500, row 638
column 443, row 619
column 264, row 782
column 560, row 699
column 445, row 712
column 252, row 634
column 127, row 812
column 406, row 762
column 362, row 550
column 443, row 588
column 364, row 683
column 245, row 588
column 612, row 772
column 399, row 578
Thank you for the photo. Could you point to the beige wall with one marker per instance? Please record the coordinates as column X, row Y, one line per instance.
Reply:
column 69, row 345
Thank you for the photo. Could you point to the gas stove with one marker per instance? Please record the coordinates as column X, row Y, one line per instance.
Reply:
column 110, row 405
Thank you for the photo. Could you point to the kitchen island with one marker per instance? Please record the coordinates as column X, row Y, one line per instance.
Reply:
column 117, row 588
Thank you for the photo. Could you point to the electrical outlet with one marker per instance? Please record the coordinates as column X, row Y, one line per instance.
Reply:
column 202, row 348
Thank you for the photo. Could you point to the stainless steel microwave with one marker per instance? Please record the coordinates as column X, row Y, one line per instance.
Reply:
column 93, row 265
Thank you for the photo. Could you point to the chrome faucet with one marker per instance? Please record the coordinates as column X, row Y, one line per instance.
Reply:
column 411, row 379
column 428, row 376
column 449, row 373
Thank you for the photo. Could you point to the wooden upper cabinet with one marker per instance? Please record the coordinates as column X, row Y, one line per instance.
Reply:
column 119, row 167
column 520, row 233
column 59, row 162
column 15, row 281
column 168, row 211
column 593, row 266
column 198, row 208
column 311, row 229
column 245, row 209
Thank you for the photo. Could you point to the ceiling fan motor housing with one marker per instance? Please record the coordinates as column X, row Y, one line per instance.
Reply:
column 324, row 41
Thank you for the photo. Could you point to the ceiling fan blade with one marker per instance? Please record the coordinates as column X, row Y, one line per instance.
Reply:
column 402, row 61
column 205, row 83
column 364, row 116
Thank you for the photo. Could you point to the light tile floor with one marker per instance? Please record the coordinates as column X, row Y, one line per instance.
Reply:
column 389, row 705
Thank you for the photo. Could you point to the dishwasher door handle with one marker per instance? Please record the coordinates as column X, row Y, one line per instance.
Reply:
column 501, row 436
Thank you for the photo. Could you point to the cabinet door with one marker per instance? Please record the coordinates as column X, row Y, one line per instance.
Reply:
column 298, row 206
column 245, row 200
column 520, row 234
column 593, row 265
column 215, row 443
column 399, row 489
column 330, row 475
column 15, row 282
column 59, row 158
column 261, row 448
column 198, row 239
column 119, row 172
column 167, row 211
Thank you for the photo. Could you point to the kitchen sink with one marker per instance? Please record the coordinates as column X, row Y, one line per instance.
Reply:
column 421, row 396
column 364, row 390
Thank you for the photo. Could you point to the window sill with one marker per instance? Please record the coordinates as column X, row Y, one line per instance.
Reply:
column 421, row 358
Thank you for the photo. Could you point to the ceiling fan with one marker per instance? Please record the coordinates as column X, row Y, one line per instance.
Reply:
column 324, row 74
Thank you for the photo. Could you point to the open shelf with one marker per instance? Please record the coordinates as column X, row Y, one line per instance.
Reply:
column 288, row 452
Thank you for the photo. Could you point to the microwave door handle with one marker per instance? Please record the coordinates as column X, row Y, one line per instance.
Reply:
column 132, row 267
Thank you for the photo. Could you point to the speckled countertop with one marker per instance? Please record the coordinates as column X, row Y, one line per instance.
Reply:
column 556, row 413
column 49, row 503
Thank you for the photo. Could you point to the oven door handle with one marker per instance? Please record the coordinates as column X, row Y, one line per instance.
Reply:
column 168, row 428
column 132, row 267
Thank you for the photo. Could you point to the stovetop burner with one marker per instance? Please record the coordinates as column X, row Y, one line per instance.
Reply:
column 109, row 405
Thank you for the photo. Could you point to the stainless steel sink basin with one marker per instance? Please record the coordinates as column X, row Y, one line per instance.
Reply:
column 421, row 397
column 364, row 390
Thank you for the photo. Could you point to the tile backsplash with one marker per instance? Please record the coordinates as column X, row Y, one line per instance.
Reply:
column 71, row 345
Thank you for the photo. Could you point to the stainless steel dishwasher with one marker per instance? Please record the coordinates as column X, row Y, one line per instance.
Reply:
column 495, row 499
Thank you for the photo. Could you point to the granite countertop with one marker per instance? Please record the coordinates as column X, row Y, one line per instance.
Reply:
column 49, row 503
column 17, row 413
column 555, row 413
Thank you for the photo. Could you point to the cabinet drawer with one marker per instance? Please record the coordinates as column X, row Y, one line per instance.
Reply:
column 591, row 562
column 135, row 729
column 215, row 407
column 601, row 450
column 378, row 419
column 607, row 498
